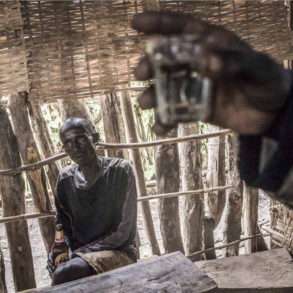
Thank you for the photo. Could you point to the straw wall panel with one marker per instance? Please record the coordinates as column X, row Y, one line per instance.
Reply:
column 263, row 24
column 78, row 48
column 13, row 74
column 81, row 48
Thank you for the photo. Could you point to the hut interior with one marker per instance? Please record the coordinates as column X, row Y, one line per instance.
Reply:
column 76, row 58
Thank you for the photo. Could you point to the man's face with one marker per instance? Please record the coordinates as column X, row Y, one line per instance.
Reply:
column 79, row 146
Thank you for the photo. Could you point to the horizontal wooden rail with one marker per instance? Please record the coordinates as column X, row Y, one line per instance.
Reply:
column 183, row 193
column 193, row 256
column 47, row 161
column 142, row 198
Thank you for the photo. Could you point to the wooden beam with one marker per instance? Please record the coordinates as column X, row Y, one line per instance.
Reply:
column 269, row 271
column 169, row 273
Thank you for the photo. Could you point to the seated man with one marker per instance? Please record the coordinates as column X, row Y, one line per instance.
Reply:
column 96, row 204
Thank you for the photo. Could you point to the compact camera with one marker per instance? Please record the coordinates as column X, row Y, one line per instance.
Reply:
column 183, row 95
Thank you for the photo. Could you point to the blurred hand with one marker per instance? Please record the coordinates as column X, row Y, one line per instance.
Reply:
column 250, row 88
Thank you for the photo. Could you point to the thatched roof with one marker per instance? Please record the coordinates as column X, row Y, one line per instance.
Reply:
column 74, row 49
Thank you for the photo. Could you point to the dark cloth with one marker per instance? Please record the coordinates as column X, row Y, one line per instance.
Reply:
column 102, row 217
column 266, row 161
column 75, row 268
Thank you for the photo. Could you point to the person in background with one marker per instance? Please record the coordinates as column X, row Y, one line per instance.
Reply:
column 96, row 204
column 252, row 95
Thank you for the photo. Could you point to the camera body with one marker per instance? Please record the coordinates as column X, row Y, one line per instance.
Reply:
column 182, row 94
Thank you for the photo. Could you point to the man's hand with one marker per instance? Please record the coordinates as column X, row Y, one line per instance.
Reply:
column 250, row 88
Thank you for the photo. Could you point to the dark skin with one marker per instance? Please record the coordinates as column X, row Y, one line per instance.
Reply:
column 78, row 144
column 250, row 87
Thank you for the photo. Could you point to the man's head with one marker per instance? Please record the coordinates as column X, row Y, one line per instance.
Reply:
column 78, row 136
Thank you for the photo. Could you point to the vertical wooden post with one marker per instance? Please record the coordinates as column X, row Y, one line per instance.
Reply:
column 250, row 205
column 13, row 199
column 167, row 176
column 30, row 154
column 131, row 136
column 191, row 176
column 233, row 211
column 214, row 201
column 3, row 287
column 250, row 220
column 46, row 145
column 216, row 175
column 208, row 237
column 111, row 122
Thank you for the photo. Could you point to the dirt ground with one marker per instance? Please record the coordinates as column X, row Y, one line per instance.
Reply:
column 39, row 253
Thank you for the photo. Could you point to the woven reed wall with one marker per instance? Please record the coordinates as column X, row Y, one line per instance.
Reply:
column 263, row 24
column 13, row 70
column 78, row 49
column 75, row 49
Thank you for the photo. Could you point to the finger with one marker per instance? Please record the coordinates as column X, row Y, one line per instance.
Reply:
column 161, row 22
column 144, row 69
column 147, row 99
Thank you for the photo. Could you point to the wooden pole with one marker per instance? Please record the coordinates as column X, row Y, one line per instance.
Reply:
column 131, row 136
column 167, row 176
column 13, row 200
column 3, row 287
column 111, row 123
column 216, row 175
column 233, row 207
column 44, row 139
column 30, row 154
column 250, row 220
column 191, row 178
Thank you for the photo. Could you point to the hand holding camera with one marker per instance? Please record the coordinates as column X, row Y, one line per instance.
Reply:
column 205, row 72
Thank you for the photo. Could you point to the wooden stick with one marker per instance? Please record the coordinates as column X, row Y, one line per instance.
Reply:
column 142, row 198
column 193, row 255
column 39, row 164
column 184, row 193
column 26, row 217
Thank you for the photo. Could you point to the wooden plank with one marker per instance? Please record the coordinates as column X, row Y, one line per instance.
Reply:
column 169, row 273
column 268, row 271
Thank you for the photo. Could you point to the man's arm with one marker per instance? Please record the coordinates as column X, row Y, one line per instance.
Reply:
column 127, row 224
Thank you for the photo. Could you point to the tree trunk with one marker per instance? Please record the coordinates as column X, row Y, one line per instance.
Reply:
column 45, row 142
column 208, row 237
column 190, row 160
column 250, row 220
column 131, row 136
column 167, row 176
column 75, row 108
column 13, row 199
column 3, row 287
column 111, row 123
column 216, row 175
column 234, row 201
column 30, row 154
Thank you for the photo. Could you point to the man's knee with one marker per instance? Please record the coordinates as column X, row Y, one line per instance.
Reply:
column 73, row 269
